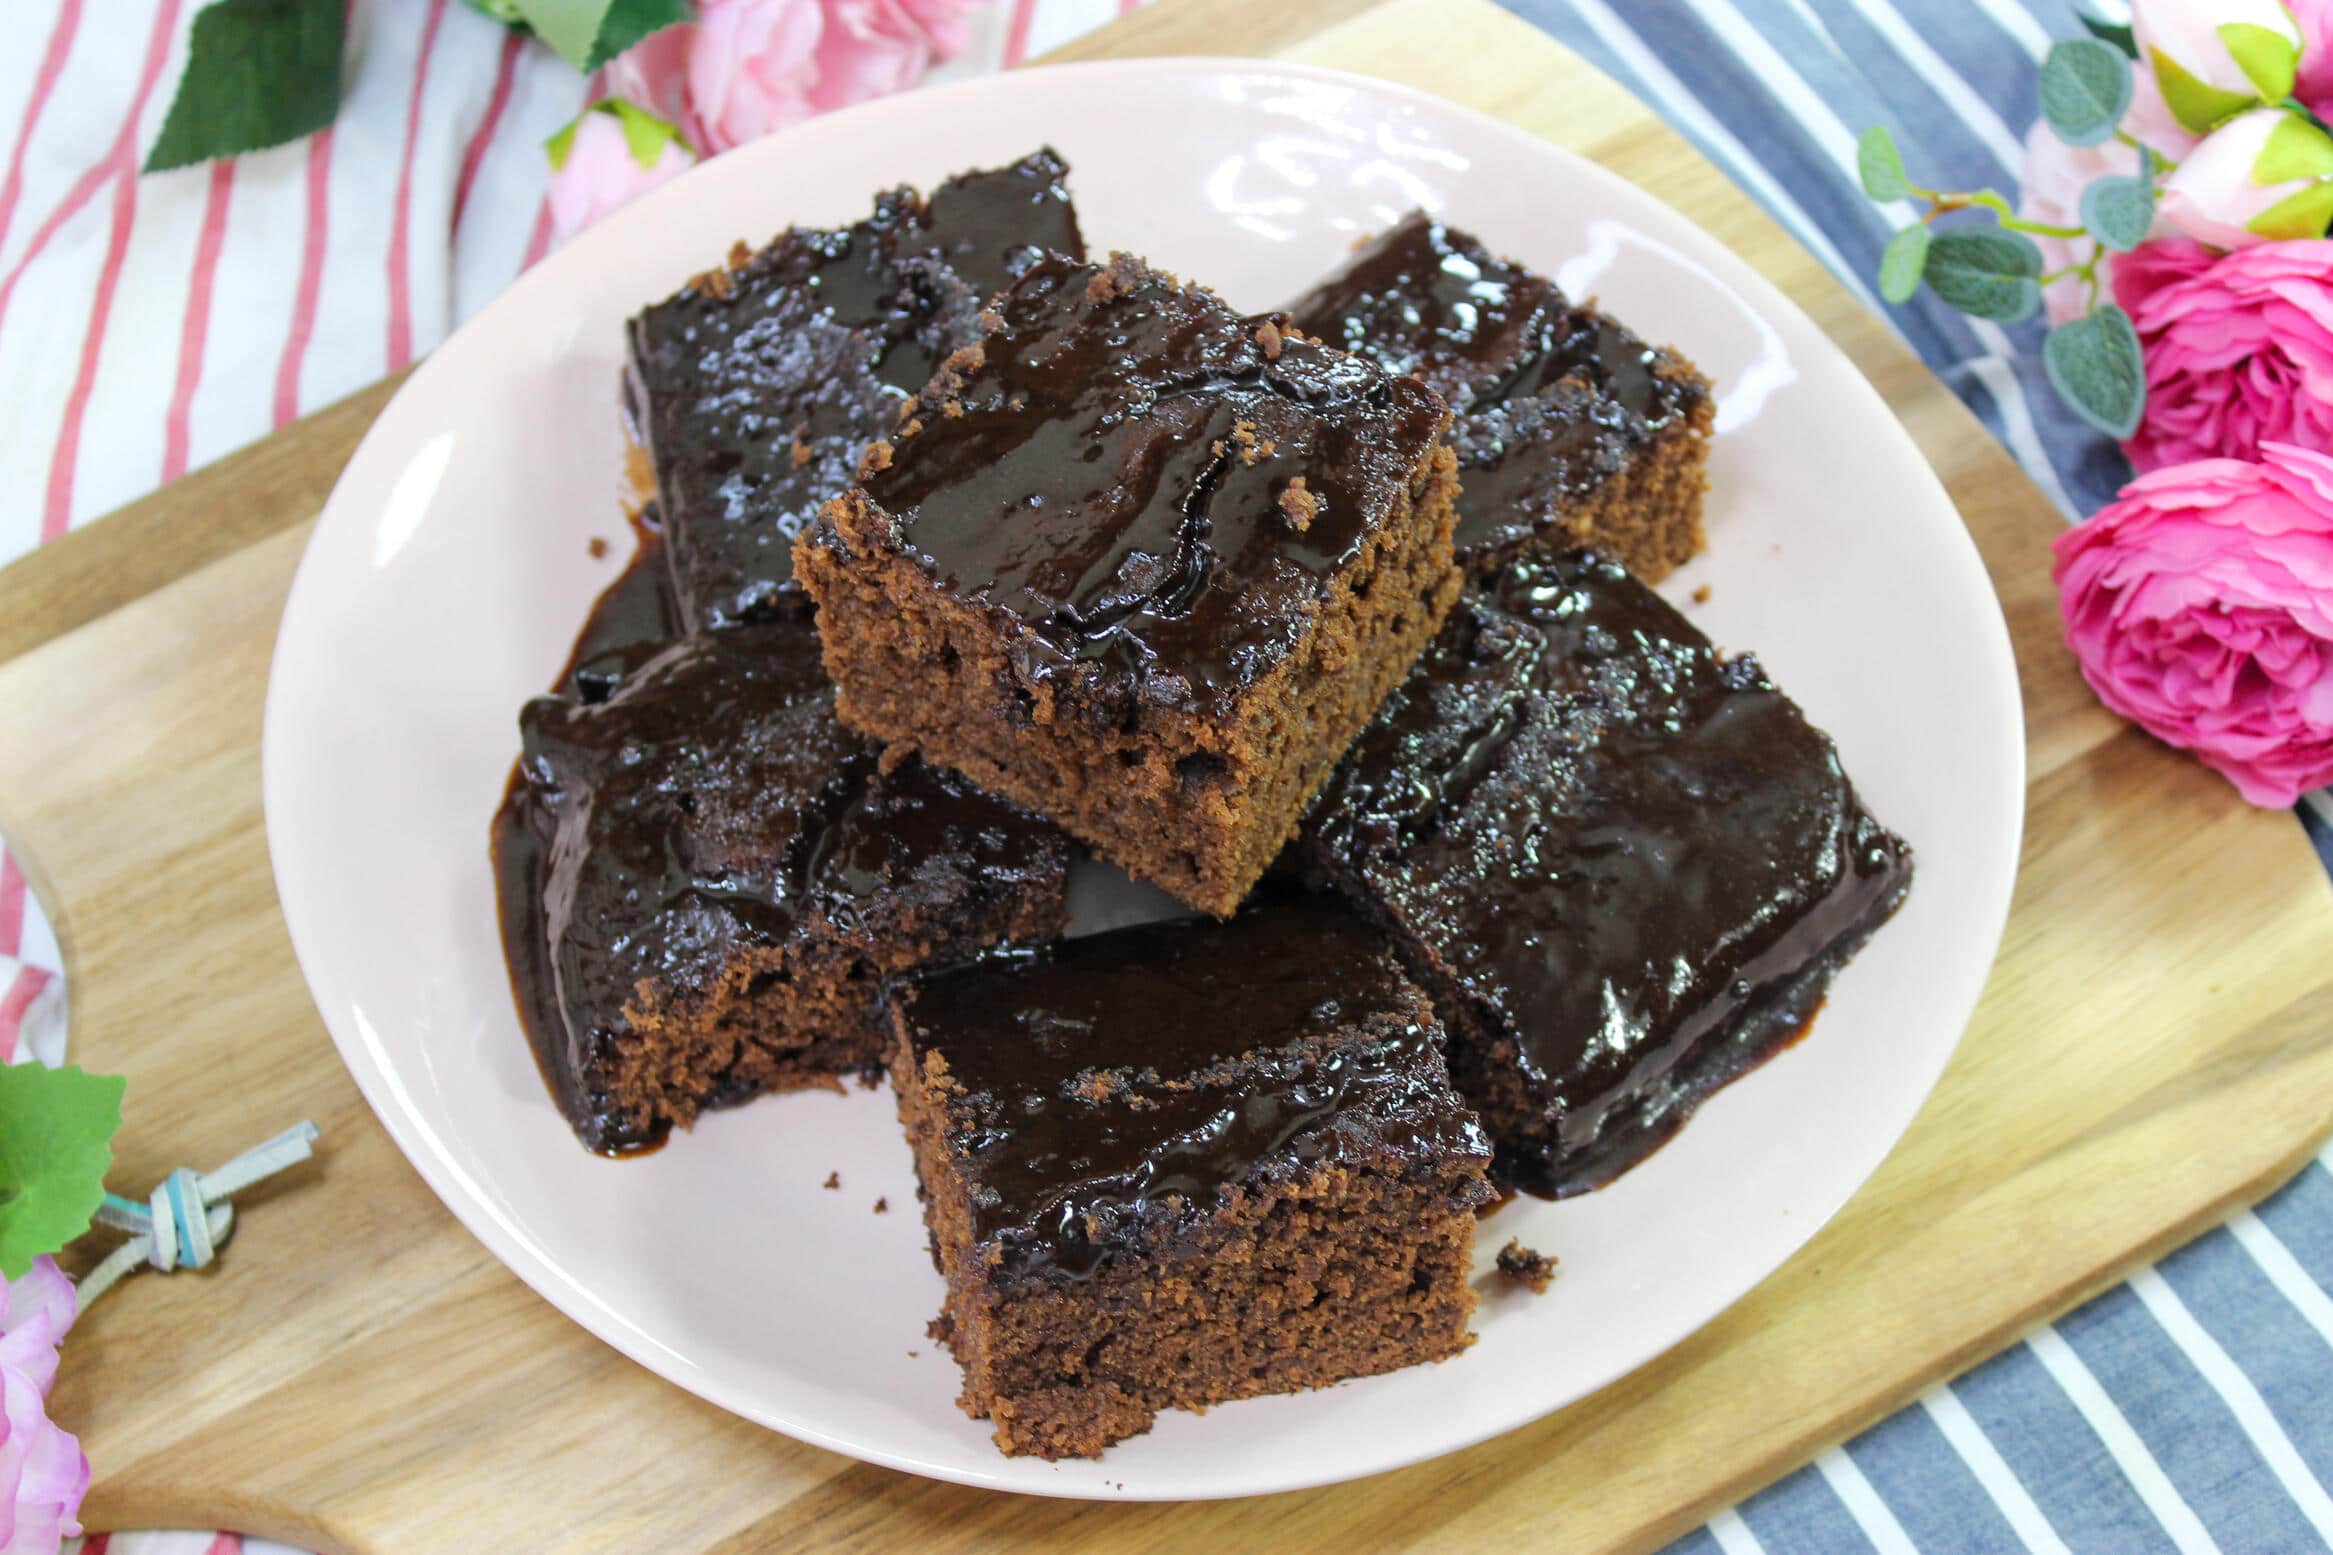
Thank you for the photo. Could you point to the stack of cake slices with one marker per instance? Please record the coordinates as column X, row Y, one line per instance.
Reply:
column 969, row 554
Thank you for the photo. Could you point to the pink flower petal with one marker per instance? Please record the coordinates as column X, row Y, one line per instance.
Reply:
column 2239, row 348
column 43, row 1474
column 42, row 1291
column 758, row 65
column 2199, row 605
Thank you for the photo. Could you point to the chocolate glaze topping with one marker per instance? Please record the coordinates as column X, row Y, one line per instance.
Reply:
column 630, row 623
column 1625, row 866
column 1115, row 1088
column 1112, row 466
column 758, row 386
column 1549, row 399
column 686, row 800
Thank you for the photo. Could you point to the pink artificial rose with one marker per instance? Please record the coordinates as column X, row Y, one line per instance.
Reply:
column 2239, row 348
column 2051, row 192
column 43, row 1474
column 35, row 1310
column 2314, row 85
column 942, row 21
column 2200, row 606
column 601, row 168
column 748, row 60
column 2262, row 176
column 760, row 65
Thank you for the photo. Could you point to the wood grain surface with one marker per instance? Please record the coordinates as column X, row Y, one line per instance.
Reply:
column 2154, row 1048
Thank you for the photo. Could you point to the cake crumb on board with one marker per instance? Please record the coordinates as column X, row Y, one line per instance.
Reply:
column 1526, row 1266
column 598, row 547
column 833, row 1181
column 883, row 1206
column 1701, row 595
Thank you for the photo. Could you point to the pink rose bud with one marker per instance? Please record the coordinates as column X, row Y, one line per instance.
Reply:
column 2263, row 176
column 2200, row 606
column 2314, row 83
column 612, row 154
column 2239, row 348
column 2215, row 58
column 760, row 65
column 2149, row 120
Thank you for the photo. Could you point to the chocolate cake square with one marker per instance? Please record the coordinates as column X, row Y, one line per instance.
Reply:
column 1570, row 430
column 1142, row 564
column 1185, row 1163
column 705, row 878
column 757, row 387
column 1624, row 867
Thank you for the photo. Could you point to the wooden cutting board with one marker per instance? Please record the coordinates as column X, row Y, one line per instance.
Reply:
column 2155, row 1048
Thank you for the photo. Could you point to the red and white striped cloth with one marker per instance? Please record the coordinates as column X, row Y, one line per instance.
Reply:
column 32, row 986
column 176, row 1544
column 149, row 324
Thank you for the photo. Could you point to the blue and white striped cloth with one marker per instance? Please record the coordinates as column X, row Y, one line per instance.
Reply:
column 2191, row 1409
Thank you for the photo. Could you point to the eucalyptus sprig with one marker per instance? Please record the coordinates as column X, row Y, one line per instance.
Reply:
column 1996, row 271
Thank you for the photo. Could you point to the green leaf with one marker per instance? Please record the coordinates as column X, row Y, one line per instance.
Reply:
column 1984, row 271
column 2085, row 88
column 645, row 135
column 2268, row 58
column 2095, row 364
column 56, row 1141
column 2117, row 33
column 592, row 32
column 562, row 145
column 1881, row 166
column 2118, row 210
column 2199, row 106
column 2295, row 148
column 258, row 73
column 2307, row 214
column 1901, row 261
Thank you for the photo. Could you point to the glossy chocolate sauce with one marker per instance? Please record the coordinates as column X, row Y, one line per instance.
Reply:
column 633, row 618
column 758, row 386
column 1116, row 473
column 1115, row 1088
column 680, row 802
column 1550, row 400
column 1625, row 867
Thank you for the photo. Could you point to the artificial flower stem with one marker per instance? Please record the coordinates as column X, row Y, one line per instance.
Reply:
column 2087, row 270
column 2163, row 164
column 2043, row 229
column 1945, row 204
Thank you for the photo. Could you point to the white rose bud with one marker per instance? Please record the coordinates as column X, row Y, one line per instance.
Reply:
column 2213, row 59
column 2262, row 177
